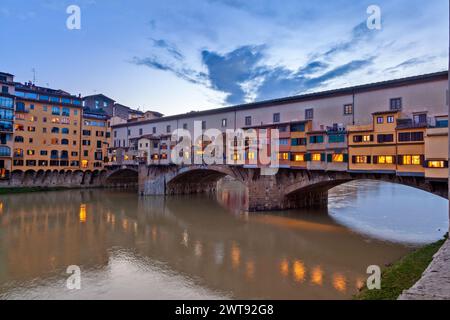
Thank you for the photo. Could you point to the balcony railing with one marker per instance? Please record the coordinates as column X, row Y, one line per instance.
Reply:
column 410, row 123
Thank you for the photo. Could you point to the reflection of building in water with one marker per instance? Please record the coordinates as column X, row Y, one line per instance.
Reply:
column 232, row 195
column 43, row 234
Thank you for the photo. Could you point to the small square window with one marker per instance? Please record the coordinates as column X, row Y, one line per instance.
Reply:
column 390, row 119
column 380, row 120
column 396, row 104
column 309, row 114
column 276, row 117
column 348, row 109
column 185, row 126
column 224, row 123
column 248, row 121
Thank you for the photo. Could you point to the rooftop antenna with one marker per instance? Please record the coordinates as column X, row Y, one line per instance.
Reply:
column 34, row 75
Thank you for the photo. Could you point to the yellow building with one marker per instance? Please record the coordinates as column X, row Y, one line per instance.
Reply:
column 46, row 129
column 299, row 142
column 374, row 147
column 95, row 139
column 436, row 150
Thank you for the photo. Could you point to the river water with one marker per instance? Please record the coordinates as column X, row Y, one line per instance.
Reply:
column 200, row 247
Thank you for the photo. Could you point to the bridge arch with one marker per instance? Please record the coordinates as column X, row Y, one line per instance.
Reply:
column 317, row 186
column 200, row 179
column 121, row 177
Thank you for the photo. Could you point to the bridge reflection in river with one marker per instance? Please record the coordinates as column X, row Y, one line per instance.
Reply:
column 185, row 247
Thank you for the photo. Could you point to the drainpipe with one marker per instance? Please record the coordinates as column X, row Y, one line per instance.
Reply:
column 354, row 107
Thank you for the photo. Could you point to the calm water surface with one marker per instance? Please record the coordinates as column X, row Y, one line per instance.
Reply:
column 204, row 248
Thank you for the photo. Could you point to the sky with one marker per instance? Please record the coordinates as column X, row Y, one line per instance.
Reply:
column 177, row 56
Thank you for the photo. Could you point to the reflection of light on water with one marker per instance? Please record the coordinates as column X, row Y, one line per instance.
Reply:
column 339, row 282
column 317, row 276
column 250, row 270
column 284, row 268
column 235, row 255
column 83, row 214
column 295, row 224
column 185, row 239
column 125, row 224
column 198, row 249
column 154, row 233
column 299, row 271
column 219, row 253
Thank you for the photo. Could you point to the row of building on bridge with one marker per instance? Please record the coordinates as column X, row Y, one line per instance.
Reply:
column 390, row 144
column 48, row 129
column 396, row 127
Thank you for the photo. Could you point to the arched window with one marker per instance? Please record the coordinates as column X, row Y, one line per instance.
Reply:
column 54, row 154
column 64, row 155
column 18, row 139
column 65, row 142
column 55, row 130
column 5, row 151
column 65, row 131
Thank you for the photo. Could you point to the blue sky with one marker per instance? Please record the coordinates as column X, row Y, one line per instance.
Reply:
column 178, row 56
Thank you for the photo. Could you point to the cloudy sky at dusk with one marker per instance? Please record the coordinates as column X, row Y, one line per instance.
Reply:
column 176, row 56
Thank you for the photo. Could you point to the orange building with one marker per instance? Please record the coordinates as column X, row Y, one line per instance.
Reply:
column 47, row 129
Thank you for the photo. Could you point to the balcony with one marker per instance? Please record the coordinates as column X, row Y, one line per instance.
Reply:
column 411, row 124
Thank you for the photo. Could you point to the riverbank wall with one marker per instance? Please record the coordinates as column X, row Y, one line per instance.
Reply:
column 55, row 179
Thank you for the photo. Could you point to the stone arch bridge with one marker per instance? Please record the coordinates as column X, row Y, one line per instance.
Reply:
column 288, row 189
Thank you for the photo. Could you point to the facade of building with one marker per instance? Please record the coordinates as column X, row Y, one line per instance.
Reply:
column 7, row 96
column 388, row 127
column 95, row 139
column 47, row 129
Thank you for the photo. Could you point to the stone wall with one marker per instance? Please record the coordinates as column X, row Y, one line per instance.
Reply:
column 56, row 179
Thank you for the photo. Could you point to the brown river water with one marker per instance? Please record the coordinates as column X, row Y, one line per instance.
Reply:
column 205, row 247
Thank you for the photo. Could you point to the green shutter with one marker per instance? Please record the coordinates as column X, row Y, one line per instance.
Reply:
column 329, row 158
column 346, row 157
column 323, row 157
column 308, row 157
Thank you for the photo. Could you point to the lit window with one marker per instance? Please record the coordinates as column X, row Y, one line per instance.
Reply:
column 367, row 138
column 436, row 164
column 84, row 163
column 385, row 159
column 360, row 159
column 30, row 152
column 283, row 156
column 316, row 157
column 251, row 156
column 236, row 157
column 412, row 160
column 299, row 158
column 338, row 158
